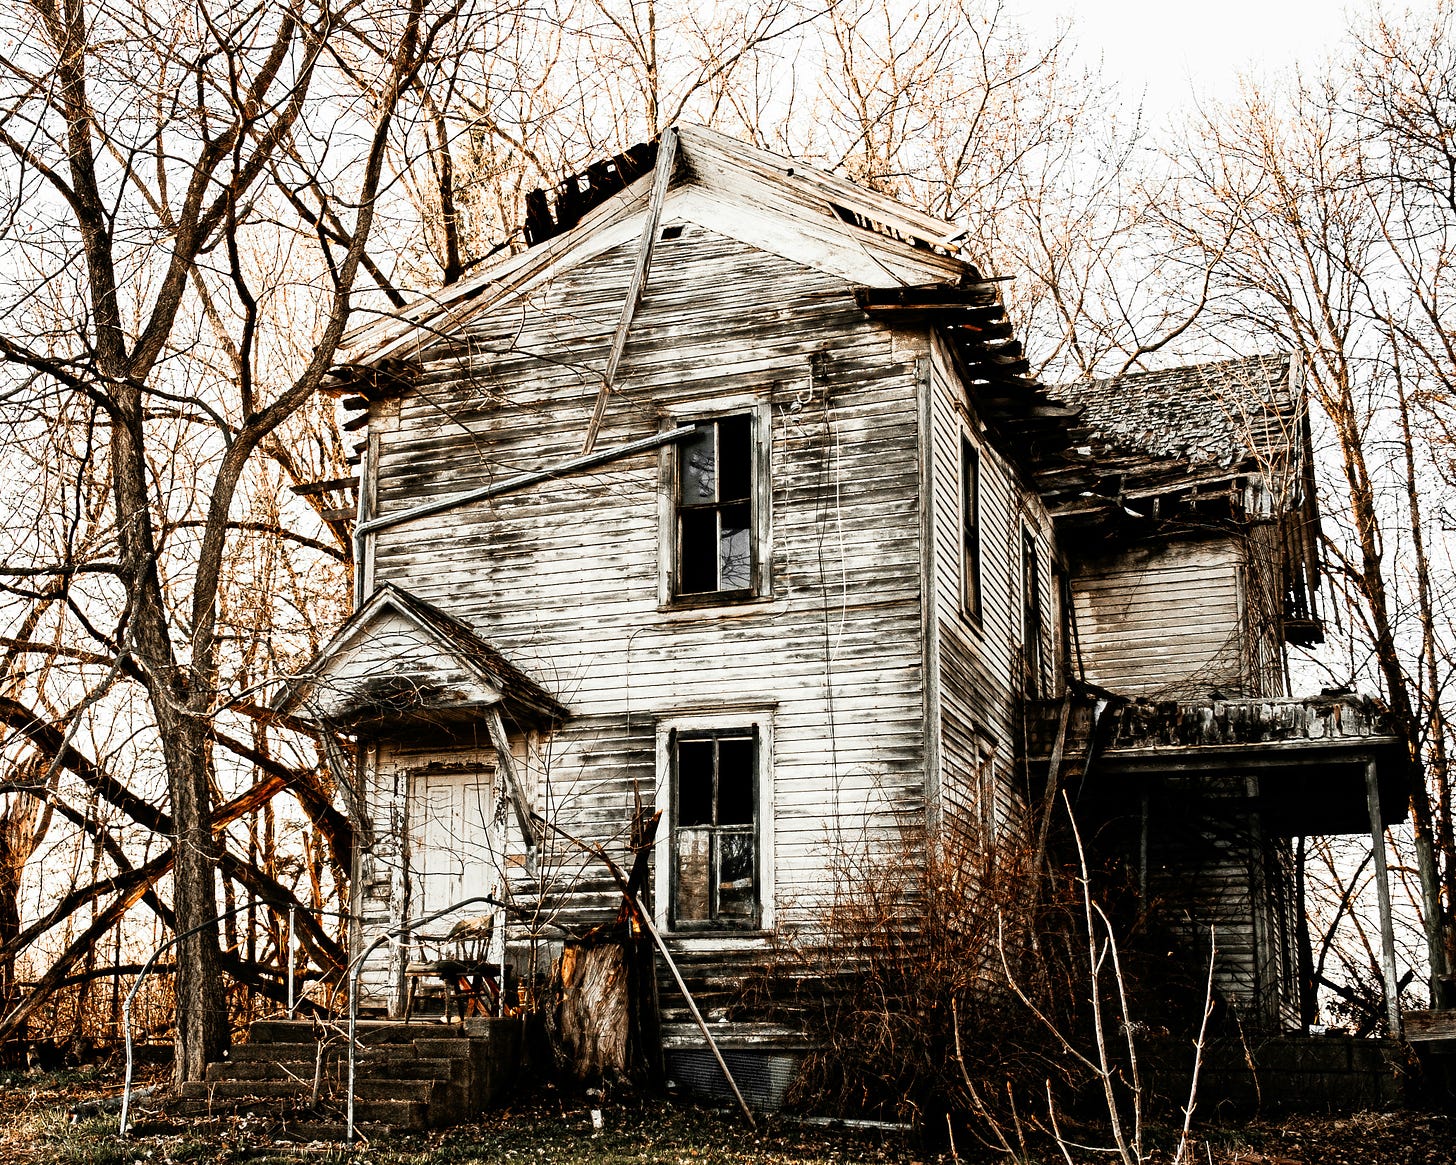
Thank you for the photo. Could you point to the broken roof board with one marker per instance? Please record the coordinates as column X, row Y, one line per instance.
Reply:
column 1217, row 416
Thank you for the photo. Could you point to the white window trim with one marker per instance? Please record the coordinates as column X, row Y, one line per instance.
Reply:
column 707, row 410
column 760, row 719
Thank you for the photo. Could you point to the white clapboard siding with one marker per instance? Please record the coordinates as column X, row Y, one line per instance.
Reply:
column 563, row 577
column 1164, row 622
column 978, row 660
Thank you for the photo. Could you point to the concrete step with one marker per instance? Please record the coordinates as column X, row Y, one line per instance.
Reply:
column 424, row 1074
column 306, row 1053
column 230, row 1090
column 300, row 1070
column 399, row 1114
column 269, row 1052
column 448, row 1048
column 386, row 1088
column 336, row 1068
column 367, row 1031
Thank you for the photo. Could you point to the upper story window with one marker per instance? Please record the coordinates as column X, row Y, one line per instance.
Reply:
column 970, row 529
column 717, row 533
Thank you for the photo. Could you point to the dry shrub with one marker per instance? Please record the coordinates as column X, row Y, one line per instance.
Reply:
column 933, row 983
column 904, row 948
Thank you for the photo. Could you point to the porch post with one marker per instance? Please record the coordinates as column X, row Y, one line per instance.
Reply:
column 1382, row 885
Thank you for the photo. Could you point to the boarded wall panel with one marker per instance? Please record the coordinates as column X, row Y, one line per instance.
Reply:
column 1165, row 622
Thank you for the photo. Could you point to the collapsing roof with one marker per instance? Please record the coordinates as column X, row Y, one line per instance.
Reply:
column 1215, row 441
column 758, row 197
column 1200, row 419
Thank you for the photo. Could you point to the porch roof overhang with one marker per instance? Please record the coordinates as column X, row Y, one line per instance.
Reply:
column 399, row 663
column 1313, row 758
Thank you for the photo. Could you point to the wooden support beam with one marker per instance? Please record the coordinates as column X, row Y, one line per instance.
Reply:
column 928, row 295
column 646, row 918
column 520, row 799
column 666, row 157
column 323, row 487
column 1382, row 886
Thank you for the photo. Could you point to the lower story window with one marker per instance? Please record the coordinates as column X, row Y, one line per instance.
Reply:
column 715, row 849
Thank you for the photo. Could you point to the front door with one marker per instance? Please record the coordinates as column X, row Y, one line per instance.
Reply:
column 454, row 842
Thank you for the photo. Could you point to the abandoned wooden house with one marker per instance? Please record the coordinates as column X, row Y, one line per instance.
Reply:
column 732, row 496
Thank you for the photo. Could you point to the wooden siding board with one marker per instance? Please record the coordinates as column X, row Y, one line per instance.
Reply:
column 562, row 578
column 976, row 661
column 1129, row 643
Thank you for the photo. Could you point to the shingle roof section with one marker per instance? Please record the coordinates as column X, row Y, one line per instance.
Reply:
column 522, row 697
column 1205, row 415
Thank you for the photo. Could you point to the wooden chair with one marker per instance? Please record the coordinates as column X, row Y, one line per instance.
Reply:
column 462, row 964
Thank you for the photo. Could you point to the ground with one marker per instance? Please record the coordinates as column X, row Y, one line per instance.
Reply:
column 37, row 1128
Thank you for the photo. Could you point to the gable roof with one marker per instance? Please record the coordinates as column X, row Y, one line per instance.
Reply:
column 399, row 657
column 757, row 197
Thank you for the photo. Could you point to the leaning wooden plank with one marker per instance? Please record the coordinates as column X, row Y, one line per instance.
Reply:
column 496, row 729
column 696, row 1014
column 575, row 465
column 666, row 157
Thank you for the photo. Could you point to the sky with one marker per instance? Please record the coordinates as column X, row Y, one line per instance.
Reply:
column 1176, row 50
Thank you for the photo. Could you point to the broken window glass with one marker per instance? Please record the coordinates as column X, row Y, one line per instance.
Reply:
column 715, row 548
column 715, row 835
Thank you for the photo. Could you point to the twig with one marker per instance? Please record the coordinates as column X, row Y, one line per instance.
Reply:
column 1198, row 1051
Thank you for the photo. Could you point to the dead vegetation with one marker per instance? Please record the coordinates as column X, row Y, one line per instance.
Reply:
column 36, row 1128
column 956, row 993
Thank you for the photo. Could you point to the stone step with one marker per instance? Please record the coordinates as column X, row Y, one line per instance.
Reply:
column 407, row 1063
column 367, row 1031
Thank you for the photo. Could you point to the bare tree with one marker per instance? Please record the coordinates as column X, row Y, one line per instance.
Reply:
column 146, row 146
column 1317, row 211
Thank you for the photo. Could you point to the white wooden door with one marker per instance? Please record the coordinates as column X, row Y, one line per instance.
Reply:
column 454, row 841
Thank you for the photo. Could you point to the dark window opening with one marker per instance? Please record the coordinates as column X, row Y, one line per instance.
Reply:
column 715, row 508
column 715, row 833
column 970, row 529
column 672, row 232
column 1031, row 614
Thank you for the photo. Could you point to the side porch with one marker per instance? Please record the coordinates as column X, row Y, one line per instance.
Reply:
column 1201, row 806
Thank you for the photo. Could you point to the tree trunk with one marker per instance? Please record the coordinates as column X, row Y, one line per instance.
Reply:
column 202, row 1019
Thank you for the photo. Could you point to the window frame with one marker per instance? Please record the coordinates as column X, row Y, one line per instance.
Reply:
column 757, row 722
column 670, row 506
column 1033, row 615
column 969, row 491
